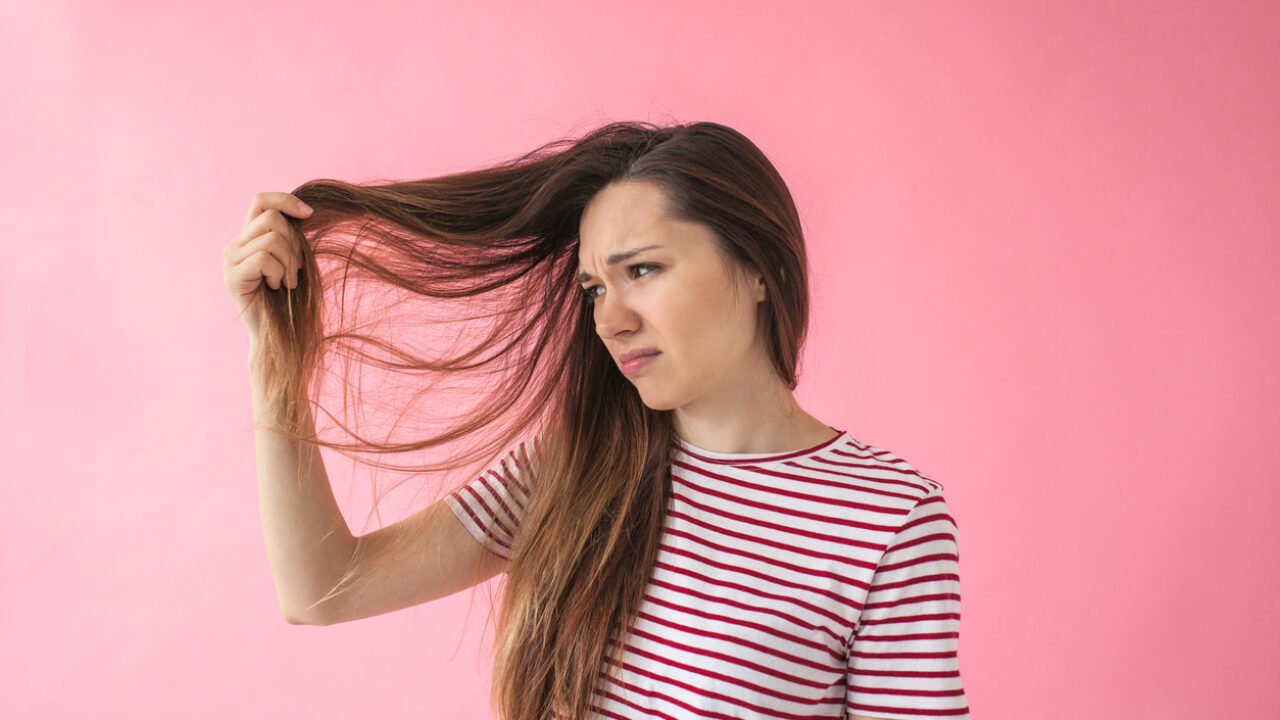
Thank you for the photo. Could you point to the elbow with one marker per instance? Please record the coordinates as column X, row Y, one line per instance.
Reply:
column 298, row 618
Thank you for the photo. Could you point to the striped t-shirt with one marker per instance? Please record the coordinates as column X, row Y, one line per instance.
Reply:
column 811, row 584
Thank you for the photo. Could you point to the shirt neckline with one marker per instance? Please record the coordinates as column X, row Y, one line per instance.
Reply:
column 741, row 458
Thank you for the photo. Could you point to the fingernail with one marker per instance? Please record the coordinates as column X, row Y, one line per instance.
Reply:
column 305, row 207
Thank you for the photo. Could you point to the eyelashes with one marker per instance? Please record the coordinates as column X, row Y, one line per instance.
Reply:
column 588, row 293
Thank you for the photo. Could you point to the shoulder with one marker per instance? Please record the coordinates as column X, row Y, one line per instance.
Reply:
column 901, row 468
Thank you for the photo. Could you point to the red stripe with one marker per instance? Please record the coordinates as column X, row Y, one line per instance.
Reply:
column 801, row 586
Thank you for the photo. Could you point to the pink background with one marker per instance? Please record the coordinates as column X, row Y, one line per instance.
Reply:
column 1046, row 271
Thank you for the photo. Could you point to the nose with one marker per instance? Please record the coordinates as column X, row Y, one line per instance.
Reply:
column 613, row 316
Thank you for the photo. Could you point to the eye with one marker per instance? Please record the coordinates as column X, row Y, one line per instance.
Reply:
column 587, row 291
column 641, row 265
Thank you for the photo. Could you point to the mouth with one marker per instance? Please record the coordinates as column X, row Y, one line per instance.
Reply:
column 636, row 361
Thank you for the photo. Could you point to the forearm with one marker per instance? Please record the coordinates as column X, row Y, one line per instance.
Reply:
column 308, row 542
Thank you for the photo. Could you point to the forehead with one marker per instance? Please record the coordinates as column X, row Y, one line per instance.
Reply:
column 627, row 218
column 620, row 216
column 621, row 221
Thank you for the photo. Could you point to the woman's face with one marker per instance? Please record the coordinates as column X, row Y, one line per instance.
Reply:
column 660, row 283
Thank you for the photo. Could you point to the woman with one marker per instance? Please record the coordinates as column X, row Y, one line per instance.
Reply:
column 680, row 538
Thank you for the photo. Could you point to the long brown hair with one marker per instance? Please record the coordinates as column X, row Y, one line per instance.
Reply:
column 503, row 240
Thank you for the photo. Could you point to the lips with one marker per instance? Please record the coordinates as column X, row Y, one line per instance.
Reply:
column 633, row 354
column 639, row 362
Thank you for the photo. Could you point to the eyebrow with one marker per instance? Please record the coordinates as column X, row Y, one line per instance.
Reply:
column 616, row 258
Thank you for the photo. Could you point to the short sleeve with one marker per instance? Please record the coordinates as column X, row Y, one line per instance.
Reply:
column 490, row 507
column 903, row 660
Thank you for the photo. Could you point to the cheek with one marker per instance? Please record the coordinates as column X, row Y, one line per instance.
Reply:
column 708, row 327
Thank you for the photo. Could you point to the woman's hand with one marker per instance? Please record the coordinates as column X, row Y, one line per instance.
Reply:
column 267, row 248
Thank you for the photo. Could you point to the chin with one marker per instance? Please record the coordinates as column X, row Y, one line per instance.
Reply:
column 659, row 401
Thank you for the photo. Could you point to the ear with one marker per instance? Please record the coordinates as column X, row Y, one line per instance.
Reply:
column 758, row 288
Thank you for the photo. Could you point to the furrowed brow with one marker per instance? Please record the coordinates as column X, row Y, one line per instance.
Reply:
column 616, row 258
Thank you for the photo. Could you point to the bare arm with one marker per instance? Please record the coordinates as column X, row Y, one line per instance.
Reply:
column 444, row 560
column 308, row 542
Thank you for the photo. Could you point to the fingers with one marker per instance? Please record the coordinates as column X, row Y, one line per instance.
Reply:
column 281, row 201
column 265, row 266
column 285, row 241
column 268, row 249
column 278, row 262
column 273, row 270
